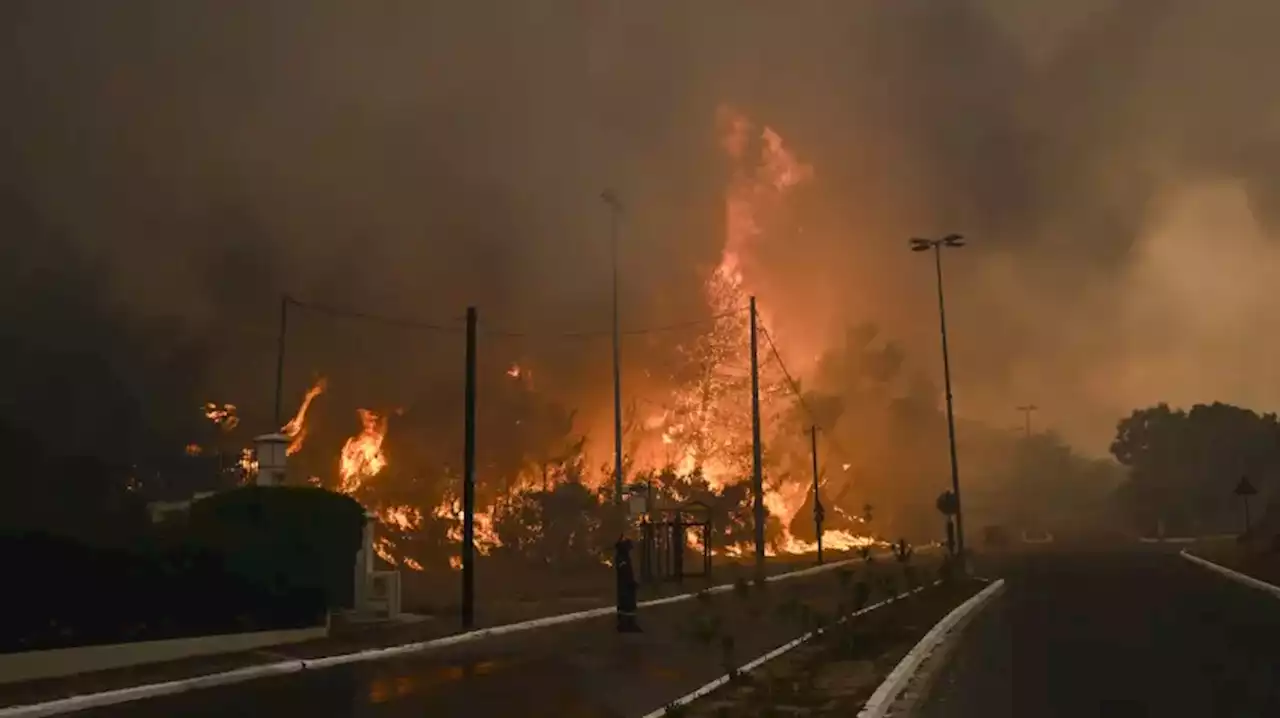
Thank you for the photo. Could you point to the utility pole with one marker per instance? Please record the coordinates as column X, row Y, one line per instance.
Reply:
column 818, row 512
column 280, row 344
column 615, row 210
column 1027, row 410
column 925, row 245
column 469, row 480
column 757, row 470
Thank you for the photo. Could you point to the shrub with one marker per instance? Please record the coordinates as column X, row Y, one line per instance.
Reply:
column 296, row 544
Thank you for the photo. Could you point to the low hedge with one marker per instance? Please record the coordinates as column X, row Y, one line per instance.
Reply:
column 257, row 558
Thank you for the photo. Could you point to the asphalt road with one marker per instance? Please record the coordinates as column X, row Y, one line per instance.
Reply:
column 577, row 670
column 1114, row 634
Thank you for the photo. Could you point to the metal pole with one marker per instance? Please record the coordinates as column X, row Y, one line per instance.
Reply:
column 1026, row 411
column 817, row 500
column 280, row 344
column 469, row 479
column 757, row 470
column 951, row 419
column 614, row 209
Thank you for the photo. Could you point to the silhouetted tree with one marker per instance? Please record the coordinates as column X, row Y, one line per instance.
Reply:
column 1183, row 464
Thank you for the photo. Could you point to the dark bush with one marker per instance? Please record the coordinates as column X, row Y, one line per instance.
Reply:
column 249, row 559
column 298, row 544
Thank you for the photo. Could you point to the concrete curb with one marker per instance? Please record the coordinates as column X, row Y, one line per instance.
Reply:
column 63, row 662
column 1245, row 579
column 896, row 682
column 784, row 648
column 154, row 690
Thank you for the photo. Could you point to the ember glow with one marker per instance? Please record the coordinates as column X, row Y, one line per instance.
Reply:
column 222, row 415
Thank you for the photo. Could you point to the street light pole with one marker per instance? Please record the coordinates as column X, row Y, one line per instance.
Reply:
column 925, row 245
column 1027, row 411
column 615, row 210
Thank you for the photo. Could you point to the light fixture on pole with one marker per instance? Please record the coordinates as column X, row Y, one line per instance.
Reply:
column 918, row 244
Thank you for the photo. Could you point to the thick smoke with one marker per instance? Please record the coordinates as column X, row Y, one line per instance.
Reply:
column 194, row 160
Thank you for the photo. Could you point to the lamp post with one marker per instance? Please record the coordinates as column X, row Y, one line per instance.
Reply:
column 1027, row 411
column 936, row 245
column 615, row 211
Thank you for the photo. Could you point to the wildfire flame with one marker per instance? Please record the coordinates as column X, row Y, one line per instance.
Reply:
column 222, row 415
column 486, row 538
column 296, row 429
column 705, row 426
column 362, row 457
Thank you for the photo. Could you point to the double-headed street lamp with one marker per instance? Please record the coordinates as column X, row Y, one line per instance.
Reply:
column 924, row 245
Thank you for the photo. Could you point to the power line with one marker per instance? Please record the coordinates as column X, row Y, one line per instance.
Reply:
column 608, row 332
column 795, row 389
column 345, row 312
column 348, row 313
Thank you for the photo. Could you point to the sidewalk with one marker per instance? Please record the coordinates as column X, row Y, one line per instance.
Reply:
column 361, row 638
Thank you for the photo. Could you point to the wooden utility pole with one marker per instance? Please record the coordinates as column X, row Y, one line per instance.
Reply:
column 469, row 479
column 280, row 344
column 615, row 210
column 818, row 512
column 757, row 469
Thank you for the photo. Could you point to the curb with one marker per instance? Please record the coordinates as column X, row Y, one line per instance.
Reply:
column 1245, row 579
column 85, row 701
column 784, row 648
column 880, row 702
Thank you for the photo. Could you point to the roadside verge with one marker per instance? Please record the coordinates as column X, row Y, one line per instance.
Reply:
column 835, row 669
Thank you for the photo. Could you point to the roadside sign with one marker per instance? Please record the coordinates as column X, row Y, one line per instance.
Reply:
column 1245, row 488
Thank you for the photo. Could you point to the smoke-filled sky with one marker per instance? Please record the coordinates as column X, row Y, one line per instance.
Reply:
column 1115, row 164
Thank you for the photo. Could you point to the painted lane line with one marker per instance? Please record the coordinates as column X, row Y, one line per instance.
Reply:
column 1234, row 575
column 784, row 648
column 896, row 682
column 85, row 701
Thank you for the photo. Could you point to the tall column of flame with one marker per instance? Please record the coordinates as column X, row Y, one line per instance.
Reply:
column 296, row 429
column 710, row 425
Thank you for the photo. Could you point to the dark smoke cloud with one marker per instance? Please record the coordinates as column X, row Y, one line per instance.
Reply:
column 196, row 159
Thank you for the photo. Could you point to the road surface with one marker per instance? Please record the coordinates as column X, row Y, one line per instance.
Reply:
column 583, row 669
column 1134, row 634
